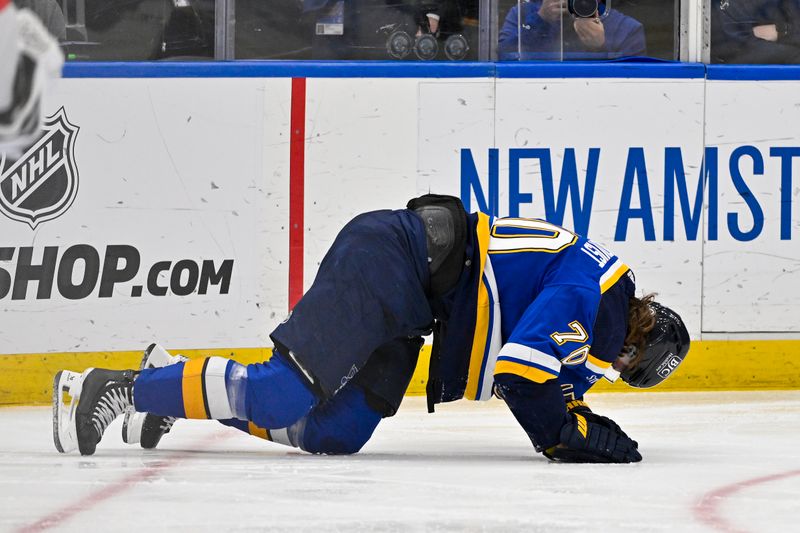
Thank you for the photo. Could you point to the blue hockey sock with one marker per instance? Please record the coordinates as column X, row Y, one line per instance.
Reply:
column 158, row 391
column 270, row 394
column 194, row 389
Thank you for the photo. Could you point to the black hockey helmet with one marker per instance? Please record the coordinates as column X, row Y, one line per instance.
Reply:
column 667, row 345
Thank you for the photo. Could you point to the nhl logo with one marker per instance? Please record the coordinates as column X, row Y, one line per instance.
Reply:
column 42, row 184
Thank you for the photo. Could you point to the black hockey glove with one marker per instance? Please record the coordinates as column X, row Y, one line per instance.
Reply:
column 582, row 408
column 585, row 441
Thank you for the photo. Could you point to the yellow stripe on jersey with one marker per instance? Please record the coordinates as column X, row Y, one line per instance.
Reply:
column 482, row 320
column 259, row 432
column 524, row 371
column 614, row 273
column 192, row 385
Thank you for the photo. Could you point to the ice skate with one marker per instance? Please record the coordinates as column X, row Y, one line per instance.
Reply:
column 65, row 385
column 145, row 428
column 85, row 404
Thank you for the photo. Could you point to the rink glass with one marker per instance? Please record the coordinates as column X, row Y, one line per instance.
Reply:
column 409, row 30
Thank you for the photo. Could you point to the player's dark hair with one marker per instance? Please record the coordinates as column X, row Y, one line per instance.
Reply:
column 641, row 321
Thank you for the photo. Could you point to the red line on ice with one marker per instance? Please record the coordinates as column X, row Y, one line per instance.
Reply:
column 297, row 143
column 91, row 500
column 706, row 508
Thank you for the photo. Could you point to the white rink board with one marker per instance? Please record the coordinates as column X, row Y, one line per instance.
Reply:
column 361, row 139
column 178, row 170
column 198, row 169
column 540, row 114
column 762, row 274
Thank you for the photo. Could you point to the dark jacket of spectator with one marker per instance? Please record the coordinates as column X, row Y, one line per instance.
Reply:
column 624, row 37
column 733, row 39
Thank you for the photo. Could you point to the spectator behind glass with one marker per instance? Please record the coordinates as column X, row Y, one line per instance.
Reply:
column 610, row 37
column 755, row 31
column 49, row 12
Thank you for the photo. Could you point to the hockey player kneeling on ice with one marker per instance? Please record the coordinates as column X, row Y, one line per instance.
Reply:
column 519, row 308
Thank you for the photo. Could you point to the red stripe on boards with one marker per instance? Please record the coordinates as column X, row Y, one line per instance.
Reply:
column 297, row 189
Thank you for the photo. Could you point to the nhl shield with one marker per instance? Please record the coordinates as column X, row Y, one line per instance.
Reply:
column 42, row 184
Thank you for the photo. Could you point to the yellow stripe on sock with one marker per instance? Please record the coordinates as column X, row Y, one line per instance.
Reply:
column 257, row 431
column 193, row 403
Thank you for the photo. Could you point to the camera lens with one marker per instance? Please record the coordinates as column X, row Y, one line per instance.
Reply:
column 456, row 47
column 583, row 8
column 427, row 47
column 399, row 44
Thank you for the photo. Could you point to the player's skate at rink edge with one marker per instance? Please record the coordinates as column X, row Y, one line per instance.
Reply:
column 520, row 308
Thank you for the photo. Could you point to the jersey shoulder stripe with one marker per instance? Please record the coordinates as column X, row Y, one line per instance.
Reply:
column 612, row 275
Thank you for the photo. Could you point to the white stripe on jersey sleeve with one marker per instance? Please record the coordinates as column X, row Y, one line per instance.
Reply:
column 594, row 368
column 611, row 271
column 526, row 353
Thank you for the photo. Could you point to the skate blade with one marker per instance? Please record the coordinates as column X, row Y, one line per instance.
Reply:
column 155, row 356
column 132, row 426
column 66, row 390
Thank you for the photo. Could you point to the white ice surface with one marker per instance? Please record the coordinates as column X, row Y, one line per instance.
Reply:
column 712, row 462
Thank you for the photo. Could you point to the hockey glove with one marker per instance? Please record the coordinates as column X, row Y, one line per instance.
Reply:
column 582, row 408
column 584, row 441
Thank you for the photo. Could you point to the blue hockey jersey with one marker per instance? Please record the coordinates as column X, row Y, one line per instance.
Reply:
column 538, row 306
